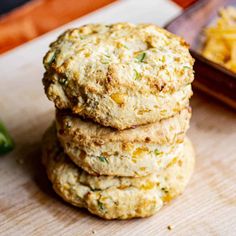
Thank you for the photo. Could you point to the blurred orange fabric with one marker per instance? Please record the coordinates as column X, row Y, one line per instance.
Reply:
column 40, row 16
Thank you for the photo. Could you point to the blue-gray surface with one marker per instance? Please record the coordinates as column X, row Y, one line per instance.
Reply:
column 8, row 5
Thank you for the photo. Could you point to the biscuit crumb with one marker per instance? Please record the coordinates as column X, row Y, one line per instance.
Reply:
column 169, row 227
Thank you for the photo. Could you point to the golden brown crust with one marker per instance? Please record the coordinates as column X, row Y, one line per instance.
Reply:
column 87, row 133
column 119, row 75
column 134, row 152
column 115, row 197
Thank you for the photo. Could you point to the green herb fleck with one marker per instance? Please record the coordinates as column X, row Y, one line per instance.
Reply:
column 187, row 67
column 52, row 59
column 141, row 57
column 68, row 124
column 137, row 75
column 123, row 45
column 105, row 59
column 101, row 206
column 105, row 62
column 62, row 80
column 163, row 112
column 53, row 55
column 6, row 142
column 157, row 152
column 163, row 59
column 103, row 159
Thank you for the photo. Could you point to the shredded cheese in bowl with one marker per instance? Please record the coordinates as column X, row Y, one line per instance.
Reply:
column 220, row 45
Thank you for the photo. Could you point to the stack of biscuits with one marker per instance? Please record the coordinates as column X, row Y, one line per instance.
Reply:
column 118, row 145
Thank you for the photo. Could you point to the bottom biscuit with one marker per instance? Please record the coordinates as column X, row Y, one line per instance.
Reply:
column 115, row 197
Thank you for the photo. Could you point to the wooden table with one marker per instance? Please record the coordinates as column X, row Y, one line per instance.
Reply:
column 28, row 206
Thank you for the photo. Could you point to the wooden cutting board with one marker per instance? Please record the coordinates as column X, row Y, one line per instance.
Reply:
column 28, row 206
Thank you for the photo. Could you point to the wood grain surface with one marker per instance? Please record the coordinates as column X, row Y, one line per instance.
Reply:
column 28, row 205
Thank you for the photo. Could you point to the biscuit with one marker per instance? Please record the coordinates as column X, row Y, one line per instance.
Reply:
column 133, row 152
column 119, row 75
column 115, row 197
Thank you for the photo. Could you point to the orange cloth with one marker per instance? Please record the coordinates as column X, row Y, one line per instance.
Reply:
column 40, row 16
column 184, row 3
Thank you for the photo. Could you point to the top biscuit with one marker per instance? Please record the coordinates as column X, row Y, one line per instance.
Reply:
column 119, row 75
